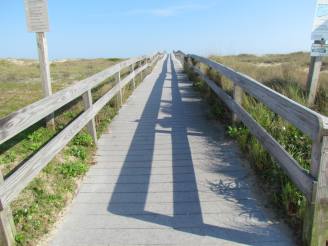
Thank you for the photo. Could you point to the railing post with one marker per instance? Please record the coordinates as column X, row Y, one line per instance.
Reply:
column 315, row 229
column 87, row 101
column 7, row 225
column 118, row 82
column 148, row 62
column 238, row 97
column 313, row 76
column 141, row 73
column 134, row 79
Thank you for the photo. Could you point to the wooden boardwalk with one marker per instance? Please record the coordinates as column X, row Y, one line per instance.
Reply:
column 166, row 175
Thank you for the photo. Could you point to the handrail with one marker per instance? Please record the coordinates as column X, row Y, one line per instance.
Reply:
column 20, row 120
column 305, row 119
column 314, row 183
column 299, row 175
column 19, row 179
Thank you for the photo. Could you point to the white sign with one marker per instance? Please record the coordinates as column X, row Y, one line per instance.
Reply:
column 37, row 15
column 319, row 50
column 320, row 27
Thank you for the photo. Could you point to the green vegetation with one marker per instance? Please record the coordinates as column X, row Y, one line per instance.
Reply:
column 21, row 79
column 286, row 74
column 39, row 205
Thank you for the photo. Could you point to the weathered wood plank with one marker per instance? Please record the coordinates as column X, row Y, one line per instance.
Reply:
column 29, row 115
column 87, row 100
column 297, row 174
column 45, row 72
column 238, row 97
column 315, row 231
column 7, row 225
column 313, row 79
column 134, row 79
column 301, row 117
column 15, row 183
column 118, row 81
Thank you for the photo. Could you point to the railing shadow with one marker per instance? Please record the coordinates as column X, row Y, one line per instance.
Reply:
column 187, row 212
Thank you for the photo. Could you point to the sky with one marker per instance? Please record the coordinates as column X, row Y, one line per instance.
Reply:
column 126, row 28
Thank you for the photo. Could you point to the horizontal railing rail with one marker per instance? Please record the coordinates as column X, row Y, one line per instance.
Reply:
column 31, row 114
column 314, row 183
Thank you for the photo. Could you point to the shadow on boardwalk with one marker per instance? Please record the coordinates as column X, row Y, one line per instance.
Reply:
column 187, row 213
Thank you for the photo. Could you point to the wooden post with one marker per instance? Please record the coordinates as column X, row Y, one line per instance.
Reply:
column 313, row 76
column 87, row 100
column 141, row 74
column 148, row 69
column 45, row 72
column 7, row 226
column 238, row 97
column 134, row 80
column 119, row 101
column 315, row 230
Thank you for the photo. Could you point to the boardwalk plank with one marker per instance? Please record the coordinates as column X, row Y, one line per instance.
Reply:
column 166, row 175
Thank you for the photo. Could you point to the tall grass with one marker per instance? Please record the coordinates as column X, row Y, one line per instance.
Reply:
column 286, row 74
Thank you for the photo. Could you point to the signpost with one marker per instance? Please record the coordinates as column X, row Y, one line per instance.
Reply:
column 319, row 48
column 37, row 21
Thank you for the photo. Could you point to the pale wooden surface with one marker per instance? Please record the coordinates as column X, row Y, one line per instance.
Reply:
column 313, row 78
column 7, row 225
column 44, row 63
column 87, row 101
column 238, row 97
column 315, row 232
column 165, row 175
column 45, row 71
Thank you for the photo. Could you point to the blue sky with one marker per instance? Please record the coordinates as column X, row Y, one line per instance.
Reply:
column 125, row 28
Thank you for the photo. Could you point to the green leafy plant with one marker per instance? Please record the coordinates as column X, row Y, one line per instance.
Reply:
column 83, row 139
column 78, row 151
column 73, row 169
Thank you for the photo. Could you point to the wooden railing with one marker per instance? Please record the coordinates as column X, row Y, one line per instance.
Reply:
column 20, row 120
column 313, row 183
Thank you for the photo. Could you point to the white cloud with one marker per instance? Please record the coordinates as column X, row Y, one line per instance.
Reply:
column 169, row 11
